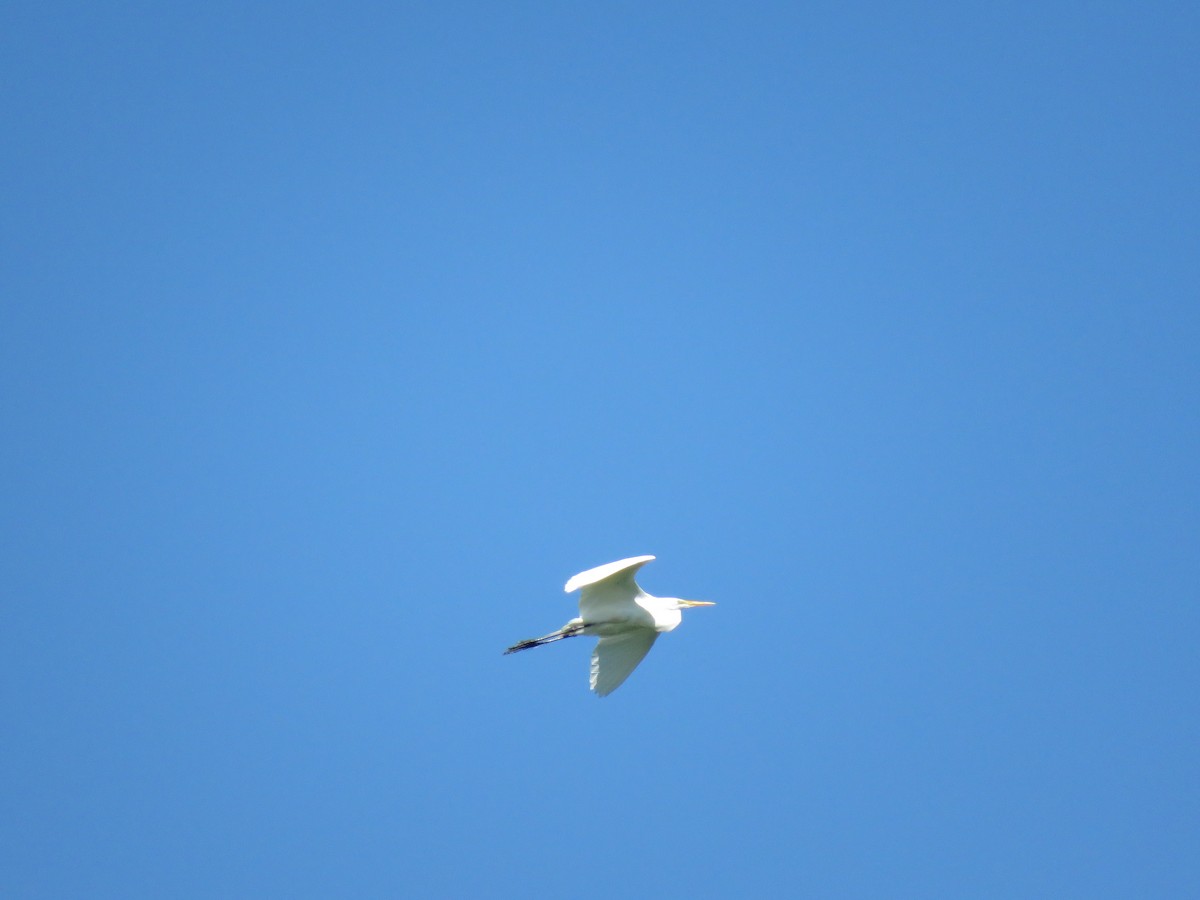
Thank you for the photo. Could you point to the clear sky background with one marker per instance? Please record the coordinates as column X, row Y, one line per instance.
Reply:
column 334, row 338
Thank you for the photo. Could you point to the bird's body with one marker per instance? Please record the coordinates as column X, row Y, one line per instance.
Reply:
column 626, row 619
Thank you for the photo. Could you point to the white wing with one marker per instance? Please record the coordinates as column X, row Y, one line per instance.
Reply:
column 616, row 655
column 609, row 592
column 625, row 568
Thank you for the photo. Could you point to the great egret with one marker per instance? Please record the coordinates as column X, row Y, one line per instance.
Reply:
column 625, row 618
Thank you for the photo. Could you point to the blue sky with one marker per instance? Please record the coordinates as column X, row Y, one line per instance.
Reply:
column 335, row 338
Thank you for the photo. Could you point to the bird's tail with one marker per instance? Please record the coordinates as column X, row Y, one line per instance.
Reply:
column 571, row 629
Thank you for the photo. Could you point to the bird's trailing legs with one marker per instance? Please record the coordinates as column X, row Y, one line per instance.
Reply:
column 571, row 629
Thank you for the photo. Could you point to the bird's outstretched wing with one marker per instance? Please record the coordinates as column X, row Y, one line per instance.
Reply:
column 616, row 655
column 608, row 591
column 619, row 572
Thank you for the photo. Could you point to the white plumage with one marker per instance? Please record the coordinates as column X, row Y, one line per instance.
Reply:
column 626, row 619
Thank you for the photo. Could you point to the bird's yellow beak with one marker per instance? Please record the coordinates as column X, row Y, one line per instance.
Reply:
column 696, row 603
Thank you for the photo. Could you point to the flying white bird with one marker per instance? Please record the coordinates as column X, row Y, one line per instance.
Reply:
column 625, row 618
